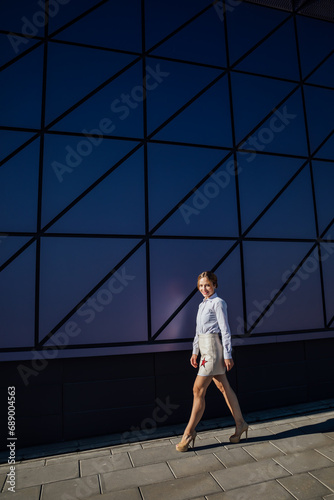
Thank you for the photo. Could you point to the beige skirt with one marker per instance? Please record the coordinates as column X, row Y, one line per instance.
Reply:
column 211, row 349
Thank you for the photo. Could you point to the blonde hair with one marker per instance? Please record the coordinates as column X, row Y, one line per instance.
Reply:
column 211, row 276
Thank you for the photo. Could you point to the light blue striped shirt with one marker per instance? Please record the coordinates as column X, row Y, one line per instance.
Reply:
column 212, row 318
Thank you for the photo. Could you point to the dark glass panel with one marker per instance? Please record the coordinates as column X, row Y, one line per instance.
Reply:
column 253, row 98
column 248, row 24
column 205, row 121
column 325, row 74
column 319, row 111
column 21, row 91
column 9, row 245
column 75, row 71
column 268, row 265
column 161, row 21
column 327, row 259
column 175, row 266
column 174, row 85
column 323, row 174
column 74, row 266
column 115, row 206
column 292, row 214
column 72, row 164
column 277, row 56
column 11, row 140
column 19, row 190
column 68, row 12
column 119, row 104
column 261, row 177
column 115, row 313
column 210, row 211
column 17, row 305
column 300, row 306
column 113, row 24
column 316, row 41
column 203, row 41
column 175, row 170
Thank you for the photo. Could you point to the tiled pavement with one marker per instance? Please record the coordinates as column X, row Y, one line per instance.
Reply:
column 289, row 454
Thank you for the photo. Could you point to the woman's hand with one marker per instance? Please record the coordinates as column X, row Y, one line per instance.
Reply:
column 229, row 363
column 193, row 361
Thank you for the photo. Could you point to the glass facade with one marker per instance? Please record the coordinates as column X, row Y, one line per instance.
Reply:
column 143, row 143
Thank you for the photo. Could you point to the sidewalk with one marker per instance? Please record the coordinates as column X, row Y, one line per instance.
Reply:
column 289, row 454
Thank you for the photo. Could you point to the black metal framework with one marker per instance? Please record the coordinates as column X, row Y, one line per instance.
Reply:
column 228, row 153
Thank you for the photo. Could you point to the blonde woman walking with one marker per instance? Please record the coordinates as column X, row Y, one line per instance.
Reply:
column 213, row 341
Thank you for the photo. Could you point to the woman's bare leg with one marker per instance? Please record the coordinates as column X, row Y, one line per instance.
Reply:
column 231, row 399
column 200, row 386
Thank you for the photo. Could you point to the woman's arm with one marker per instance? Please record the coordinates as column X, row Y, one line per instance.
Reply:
column 221, row 314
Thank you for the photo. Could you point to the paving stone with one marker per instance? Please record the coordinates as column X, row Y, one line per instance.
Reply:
column 242, row 475
column 195, row 465
column 221, row 435
column 263, row 450
column 295, row 444
column 137, row 476
column 262, row 491
column 234, row 456
column 303, row 486
column 155, row 444
column 131, row 494
column 283, row 430
column 156, row 455
column 92, row 466
column 81, row 487
column 3, row 477
column 78, row 456
column 181, row 489
column 316, row 426
column 46, row 474
column 304, row 419
column 326, row 476
column 24, row 494
column 304, row 461
column 208, row 445
column 4, row 468
column 29, row 464
column 126, row 448
column 328, row 451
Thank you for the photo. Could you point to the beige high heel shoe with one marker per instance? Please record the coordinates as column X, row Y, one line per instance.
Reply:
column 235, row 438
column 185, row 443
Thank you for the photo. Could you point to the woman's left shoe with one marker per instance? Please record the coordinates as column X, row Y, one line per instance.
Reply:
column 185, row 443
column 235, row 438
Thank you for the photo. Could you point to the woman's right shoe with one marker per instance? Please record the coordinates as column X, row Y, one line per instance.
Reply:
column 235, row 438
column 185, row 443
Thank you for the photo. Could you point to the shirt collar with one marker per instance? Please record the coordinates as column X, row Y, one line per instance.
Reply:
column 213, row 296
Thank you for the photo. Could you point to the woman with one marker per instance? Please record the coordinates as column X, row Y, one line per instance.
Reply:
column 213, row 340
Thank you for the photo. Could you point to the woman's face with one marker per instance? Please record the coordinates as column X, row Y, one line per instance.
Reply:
column 206, row 287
